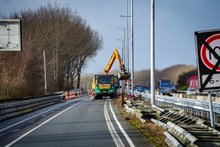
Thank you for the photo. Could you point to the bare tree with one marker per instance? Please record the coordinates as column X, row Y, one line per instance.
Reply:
column 68, row 41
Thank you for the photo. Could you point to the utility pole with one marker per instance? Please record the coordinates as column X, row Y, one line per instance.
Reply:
column 152, row 48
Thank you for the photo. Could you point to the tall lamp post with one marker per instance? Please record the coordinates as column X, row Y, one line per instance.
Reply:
column 127, row 38
column 152, row 48
column 132, row 47
column 127, row 42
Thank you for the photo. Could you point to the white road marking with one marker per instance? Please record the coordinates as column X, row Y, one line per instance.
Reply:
column 121, row 128
column 25, row 134
column 111, row 128
column 30, row 118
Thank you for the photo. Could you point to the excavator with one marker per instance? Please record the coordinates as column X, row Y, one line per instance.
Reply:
column 107, row 84
column 123, row 75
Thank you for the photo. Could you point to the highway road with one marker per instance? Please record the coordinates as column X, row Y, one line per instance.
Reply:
column 78, row 122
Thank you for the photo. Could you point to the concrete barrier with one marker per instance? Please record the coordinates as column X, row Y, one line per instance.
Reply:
column 183, row 133
column 171, row 141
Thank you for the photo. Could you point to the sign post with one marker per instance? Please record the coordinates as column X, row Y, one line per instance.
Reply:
column 211, row 109
column 208, row 60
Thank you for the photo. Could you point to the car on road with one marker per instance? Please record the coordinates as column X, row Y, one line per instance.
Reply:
column 191, row 91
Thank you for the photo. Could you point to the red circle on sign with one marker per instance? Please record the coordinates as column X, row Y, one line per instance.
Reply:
column 203, row 56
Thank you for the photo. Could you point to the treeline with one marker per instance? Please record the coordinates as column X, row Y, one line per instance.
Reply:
column 177, row 74
column 68, row 42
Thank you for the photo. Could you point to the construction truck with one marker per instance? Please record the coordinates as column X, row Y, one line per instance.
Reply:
column 107, row 84
column 166, row 87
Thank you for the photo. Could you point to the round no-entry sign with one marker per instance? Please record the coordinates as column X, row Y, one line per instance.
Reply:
column 206, row 56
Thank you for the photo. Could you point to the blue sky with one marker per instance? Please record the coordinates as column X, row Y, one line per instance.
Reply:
column 176, row 22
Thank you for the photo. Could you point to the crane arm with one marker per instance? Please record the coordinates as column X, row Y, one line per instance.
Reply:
column 123, row 75
column 118, row 57
column 114, row 56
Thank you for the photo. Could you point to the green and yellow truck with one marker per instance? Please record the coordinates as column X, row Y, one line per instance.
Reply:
column 104, row 85
column 108, row 84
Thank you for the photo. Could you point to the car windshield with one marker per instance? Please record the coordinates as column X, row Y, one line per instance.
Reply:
column 104, row 79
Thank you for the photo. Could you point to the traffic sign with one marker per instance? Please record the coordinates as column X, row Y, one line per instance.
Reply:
column 192, row 82
column 10, row 35
column 208, row 59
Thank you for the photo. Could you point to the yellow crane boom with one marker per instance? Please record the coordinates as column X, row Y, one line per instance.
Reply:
column 114, row 56
column 123, row 75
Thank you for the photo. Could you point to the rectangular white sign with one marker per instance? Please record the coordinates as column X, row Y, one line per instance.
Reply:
column 10, row 35
column 213, row 82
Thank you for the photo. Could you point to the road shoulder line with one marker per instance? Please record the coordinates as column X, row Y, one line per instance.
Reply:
column 121, row 128
column 114, row 134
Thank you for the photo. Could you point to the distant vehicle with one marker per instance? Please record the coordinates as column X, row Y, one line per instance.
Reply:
column 165, row 83
column 191, row 91
column 165, row 91
column 143, row 89
column 166, row 87
column 103, row 85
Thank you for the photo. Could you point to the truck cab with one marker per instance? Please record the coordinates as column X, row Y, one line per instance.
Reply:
column 104, row 85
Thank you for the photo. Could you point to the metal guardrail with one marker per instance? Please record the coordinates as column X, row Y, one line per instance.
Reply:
column 194, row 106
column 8, row 110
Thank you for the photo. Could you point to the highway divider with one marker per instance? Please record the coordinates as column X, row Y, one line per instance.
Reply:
column 8, row 110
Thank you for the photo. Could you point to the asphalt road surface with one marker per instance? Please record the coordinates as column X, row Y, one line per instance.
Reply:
column 75, row 123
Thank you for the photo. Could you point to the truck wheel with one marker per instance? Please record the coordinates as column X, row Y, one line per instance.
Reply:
column 97, row 97
column 112, row 96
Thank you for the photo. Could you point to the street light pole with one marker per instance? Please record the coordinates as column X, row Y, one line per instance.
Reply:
column 152, row 45
column 132, row 47
column 127, row 42
column 127, row 38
